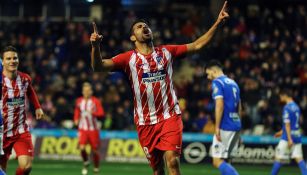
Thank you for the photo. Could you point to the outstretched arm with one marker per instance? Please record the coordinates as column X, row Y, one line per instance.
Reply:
column 98, row 64
column 204, row 39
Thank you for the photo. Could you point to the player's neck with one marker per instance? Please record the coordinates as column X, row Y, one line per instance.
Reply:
column 86, row 98
column 219, row 74
column 289, row 100
column 10, row 75
column 144, row 48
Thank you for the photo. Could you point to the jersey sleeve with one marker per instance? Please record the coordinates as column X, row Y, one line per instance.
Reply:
column 77, row 111
column 217, row 90
column 286, row 116
column 177, row 50
column 121, row 60
column 99, row 112
column 32, row 94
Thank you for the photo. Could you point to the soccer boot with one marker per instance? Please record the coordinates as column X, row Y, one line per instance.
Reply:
column 85, row 168
column 96, row 171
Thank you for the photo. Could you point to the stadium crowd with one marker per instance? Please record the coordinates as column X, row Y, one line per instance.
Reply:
column 263, row 48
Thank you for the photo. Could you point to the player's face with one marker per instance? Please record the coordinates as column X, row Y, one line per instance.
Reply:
column 87, row 91
column 282, row 98
column 141, row 33
column 10, row 61
column 210, row 74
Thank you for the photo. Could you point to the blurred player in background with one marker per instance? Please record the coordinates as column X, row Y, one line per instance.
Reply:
column 16, row 89
column 226, row 94
column 88, row 108
column 156, row 111
column 290, row 144
column 1, row 122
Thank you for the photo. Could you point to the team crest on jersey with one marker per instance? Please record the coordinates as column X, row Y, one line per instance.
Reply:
column 159, row 59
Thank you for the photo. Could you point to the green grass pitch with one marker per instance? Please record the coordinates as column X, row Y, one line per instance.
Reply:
column 74, row 168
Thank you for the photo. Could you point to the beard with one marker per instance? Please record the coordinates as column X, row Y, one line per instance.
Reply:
column 147, row 38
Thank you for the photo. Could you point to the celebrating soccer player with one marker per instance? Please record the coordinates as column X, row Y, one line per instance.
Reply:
column 16, row 87
column 88, row 109
column 156, row 110
column 226, row 94
column 290, row 143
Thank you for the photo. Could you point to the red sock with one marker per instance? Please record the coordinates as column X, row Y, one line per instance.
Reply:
column 21, row 171
column 96, row 159
column 84, row 155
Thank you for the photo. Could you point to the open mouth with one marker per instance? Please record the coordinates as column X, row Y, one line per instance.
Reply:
column 146, row 31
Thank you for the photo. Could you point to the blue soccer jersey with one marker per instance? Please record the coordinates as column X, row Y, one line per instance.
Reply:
column 226, row 88
column 291, row 114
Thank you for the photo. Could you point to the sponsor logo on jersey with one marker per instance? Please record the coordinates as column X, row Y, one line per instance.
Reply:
column 151, row 77
column 16, row 101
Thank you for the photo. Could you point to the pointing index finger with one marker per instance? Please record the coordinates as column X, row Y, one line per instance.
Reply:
column 95, row 28
column 224, row 6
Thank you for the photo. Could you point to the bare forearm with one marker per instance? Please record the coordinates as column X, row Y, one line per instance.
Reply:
column 288, row 130
column 218, row 117
column 219, row 109
column 240, row 110
column 96, row 60
column 203, row 40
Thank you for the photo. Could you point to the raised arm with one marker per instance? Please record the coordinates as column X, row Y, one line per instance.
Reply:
column 205, row 38
column 98, row 64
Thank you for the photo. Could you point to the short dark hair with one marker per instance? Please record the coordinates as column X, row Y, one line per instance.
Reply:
column 214, row 63
column 137, row 21
column 286, row 91
column 8, row 49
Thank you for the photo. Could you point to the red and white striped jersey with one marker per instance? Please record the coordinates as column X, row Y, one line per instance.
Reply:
column 14, row 95
column 86, row 113
column 150, row 77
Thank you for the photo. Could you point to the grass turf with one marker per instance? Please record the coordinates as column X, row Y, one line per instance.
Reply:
column 74, row 168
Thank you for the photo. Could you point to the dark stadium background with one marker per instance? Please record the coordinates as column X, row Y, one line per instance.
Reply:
column 263, row 46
